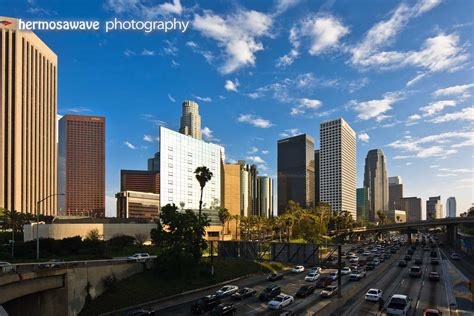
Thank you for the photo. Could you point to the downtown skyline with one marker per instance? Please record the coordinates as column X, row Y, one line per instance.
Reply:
column 144, row 78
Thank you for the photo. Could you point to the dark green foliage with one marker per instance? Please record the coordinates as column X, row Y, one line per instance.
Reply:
column 121, row 241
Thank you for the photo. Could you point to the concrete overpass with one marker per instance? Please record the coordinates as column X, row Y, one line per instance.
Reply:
column 36, row 289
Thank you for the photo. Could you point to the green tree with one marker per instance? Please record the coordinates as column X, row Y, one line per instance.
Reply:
column 236, row 218
column 203, row 175
column 224, row 217
column 382, row 217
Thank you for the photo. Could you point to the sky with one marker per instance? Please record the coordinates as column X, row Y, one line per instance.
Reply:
column 399, row 72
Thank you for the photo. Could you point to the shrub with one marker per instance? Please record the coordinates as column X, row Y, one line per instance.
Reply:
column 121, row 241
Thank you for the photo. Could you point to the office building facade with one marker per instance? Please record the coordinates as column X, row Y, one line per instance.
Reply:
column 140, row 181
column 412, row 207
column 296, row 171
column 265, row 197
column 375, row 178
column 190, row 120
column 434, row 208
column 451, row 207
column 81, row 165
column 28, row 113
column 395, row 193
column 142, row 205
column 154, row 163
column 338, row 166
column 317, row 192
column 363, row 204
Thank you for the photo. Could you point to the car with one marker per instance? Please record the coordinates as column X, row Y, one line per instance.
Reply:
column 305, row 290
column 281, row 301
column 366, row 253
column 7, row 267
column 354, row 259
column 407, row 258
column 402, row 263
column 345, row 271
column 54, row 263
column 311, row 277
column 243, row 293
column 426, row 248
column 360, row 251
column 333, row 275
column 354, row 267
column 356, row 275
column 370, row 266
column 433, row 254
column 393, row 251
column 399, row 304
column 387, row 256
column 140, row 257
column 329, row 291
column 314, row 269
column 415, row 272
column 418, row 260
column 141, row 312
column 227, row 290
column 205, row 304
column 298, row 269
column 455, row 256
column 373, row 295
column 269, row 293
column 323, row 282
column 410, row 252
column 432, row 312
column 275, row 277
column 224, row 309
column 434, row 276
column 434, row 261
column 376, row 262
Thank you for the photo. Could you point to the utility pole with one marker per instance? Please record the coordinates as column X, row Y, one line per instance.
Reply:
column 339, row 263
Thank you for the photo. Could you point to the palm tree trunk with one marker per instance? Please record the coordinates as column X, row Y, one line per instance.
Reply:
column 200, row 204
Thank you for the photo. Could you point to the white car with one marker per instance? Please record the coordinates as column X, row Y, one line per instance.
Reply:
column 346, row 270
column 333, row 275
column 354, row 259
column 227, row 290
column 315, row 269
column 6, row 267
column 280, row 301
column 140, row 257
column 366, row 253
column 398, row 305
column 374, row 295
column 311, row 277
column 298, row 269
column 455, row 256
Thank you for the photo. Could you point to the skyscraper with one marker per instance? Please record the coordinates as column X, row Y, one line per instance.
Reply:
column 363, row 204
column 295, row 171
column 434, row 208
column 412, row 207
column 28, row 103
column 265, row 196
column 375, row 178
column 451, row 207
column 248, row 188
column 317, row 192
column 395, row 193
column 82, row 165
column 140, row 181
column 338, row 166
column 154, row 162
column 190, row 120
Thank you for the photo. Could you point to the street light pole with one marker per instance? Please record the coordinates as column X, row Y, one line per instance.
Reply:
column 37, row 222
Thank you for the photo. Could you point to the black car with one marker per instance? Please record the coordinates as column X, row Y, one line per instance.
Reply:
column 224, row 309
column 243, row 293
column 305, row 290
column 360, row 250
column 407, row 257
column 269, row 293
column 418, row 260
column 433, row 254
column 434, row 261
column 402, row 263
column 275, row 277
column 205, row 304
column 410, row 252
column 370, row 266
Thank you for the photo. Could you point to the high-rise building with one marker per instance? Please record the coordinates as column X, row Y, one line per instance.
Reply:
column 248, row 189
column 180, row 155
column 434, row 208
column 190, row 120
column 82, row 165
column 363, row 204
column 395, row 193
column 154, row 163
column 451, row 207
column 231, row 196
column 412, row 207
column 28, row 113
column 265, row 196
column 317, row 192
column 143, row 205
column 338, row 166
column 295, row 171
column 140, row 181
column 375, row 178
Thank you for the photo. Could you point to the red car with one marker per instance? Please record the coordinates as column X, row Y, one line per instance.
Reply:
column 432, row 312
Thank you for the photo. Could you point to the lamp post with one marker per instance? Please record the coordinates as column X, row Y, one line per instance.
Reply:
column 37, row 222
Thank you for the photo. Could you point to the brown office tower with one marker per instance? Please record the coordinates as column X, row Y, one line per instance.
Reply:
column 140, row 181
column 28, row 153
column 82, row 165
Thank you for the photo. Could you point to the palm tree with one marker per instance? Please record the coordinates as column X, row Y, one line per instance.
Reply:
column 236, row 217
column 203, row 175
column 381, row 217
column 224, row 216
column 398, row 219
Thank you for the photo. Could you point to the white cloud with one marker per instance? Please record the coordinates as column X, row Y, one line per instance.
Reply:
column 436, row 107
column 265, row 152
column 466, row 114
column 231, row 85
column 207, row 133
column 255, row 159
column 375, row 109
column 305, row 104
column 253, row 150
column 401, row 157
column 254, row 120
column 130, row 145
column 413, row 119
column 446, row 175
column 454, row 91
column 415, row 79
column 208, row 56
column 171, row 98
column 364, row 137
column 425, row 6
column 288, row 59
column 237, row 34
column 148, row 138
column 409, row 163
column 143, row 8
column 129, row 52
column 290, row 132
column 283, row 5
column 203, row 99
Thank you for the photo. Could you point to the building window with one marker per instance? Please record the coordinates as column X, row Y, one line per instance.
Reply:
column 170, row 148
column 170, row 173
column 170, row 190
column 170, row 165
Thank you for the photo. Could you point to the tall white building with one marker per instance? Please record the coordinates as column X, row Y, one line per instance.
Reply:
column 180, row 155
column 337, row 166
column 190, row 120
column 451, row 207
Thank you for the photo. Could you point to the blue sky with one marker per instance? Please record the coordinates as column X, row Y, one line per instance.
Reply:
column 400, row 73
